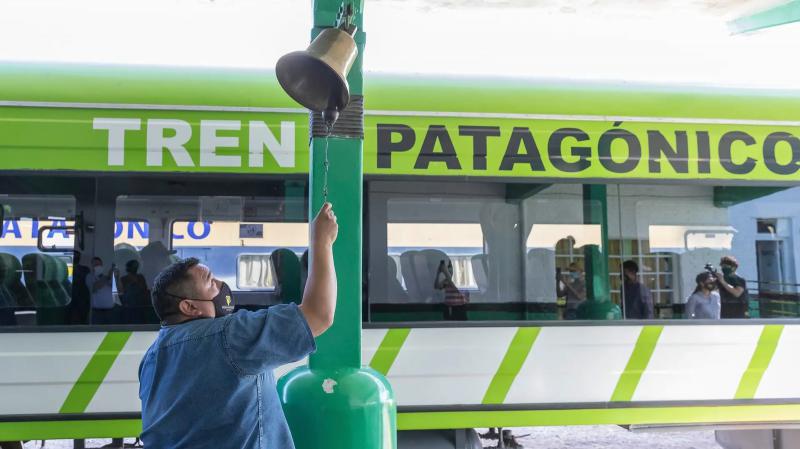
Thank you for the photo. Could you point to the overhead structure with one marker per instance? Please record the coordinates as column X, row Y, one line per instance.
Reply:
column 783, row 14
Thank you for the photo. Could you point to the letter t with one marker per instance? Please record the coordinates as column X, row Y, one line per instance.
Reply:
column 116, row 128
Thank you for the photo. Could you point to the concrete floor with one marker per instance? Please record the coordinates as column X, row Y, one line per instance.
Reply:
column 585, row 437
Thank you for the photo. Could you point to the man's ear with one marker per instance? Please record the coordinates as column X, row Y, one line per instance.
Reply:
column 187, row 308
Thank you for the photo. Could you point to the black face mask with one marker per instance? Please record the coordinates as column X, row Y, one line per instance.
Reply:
column 224, row 302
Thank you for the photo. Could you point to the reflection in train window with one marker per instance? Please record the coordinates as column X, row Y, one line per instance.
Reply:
column 255, row 272
column 460, row 242
column 36, row 285
column 248, row 255
column 674, row 231
column 487, row 252
column 565, row 264
column 254, row 244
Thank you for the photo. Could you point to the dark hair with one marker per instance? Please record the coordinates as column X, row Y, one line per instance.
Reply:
column 173, row 280
column 701, row 279
column 729, row 260
column 132, row 265
column 97, row 258
column 630, row 266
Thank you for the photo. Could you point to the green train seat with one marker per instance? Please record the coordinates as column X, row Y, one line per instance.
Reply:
column 41, row 276
column 286, row 265
column 12, row 280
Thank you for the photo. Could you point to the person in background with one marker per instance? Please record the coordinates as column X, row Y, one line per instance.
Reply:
column 453, row 298
column 704, row 303
column 133, row 293
column 155, row 257
column 638, row 299
column 102, row 298
column 732, row 289
column 574, row 281
column 79, row 305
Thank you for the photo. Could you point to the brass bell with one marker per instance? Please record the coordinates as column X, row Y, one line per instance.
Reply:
column 317, row 77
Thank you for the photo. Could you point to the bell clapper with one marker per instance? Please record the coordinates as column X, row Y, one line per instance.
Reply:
column 329, row 116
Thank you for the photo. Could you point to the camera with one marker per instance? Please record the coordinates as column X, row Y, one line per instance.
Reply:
column 710, row 268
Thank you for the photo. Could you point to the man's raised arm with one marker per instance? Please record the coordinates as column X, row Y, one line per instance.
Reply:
column 319, row 298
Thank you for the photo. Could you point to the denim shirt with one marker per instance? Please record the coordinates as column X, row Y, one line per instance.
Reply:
column 208, row 383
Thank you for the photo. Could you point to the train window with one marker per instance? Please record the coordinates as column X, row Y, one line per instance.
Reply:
column 36, row 287
column 254, row 244
column 565, row 254
column 459, row 241
column 679, row 235
column 248, row 255
column 138, row 256
column 257, row 245
column 255, row 272
column 486, row 252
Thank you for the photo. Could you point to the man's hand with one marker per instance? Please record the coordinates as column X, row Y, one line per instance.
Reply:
column 324, row 228
column 319, row 298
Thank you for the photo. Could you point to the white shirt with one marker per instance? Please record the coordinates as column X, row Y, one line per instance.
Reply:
column 103, row 298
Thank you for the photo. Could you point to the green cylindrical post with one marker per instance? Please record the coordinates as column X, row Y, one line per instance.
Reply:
column 598, row 304
column 335, row 402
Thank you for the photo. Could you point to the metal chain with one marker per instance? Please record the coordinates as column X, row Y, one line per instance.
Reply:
column 326, row 164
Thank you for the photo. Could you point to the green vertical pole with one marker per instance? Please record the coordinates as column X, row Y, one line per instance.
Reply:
column 334, row 402
column 598, row 304
column 340, row 346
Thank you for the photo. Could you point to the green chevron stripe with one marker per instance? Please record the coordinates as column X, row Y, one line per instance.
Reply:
column 95, row 372
column 388, row 350
column 509, row 368
column 640, row 358
column 765, row 349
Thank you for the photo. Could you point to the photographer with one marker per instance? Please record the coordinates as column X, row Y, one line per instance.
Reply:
column 732, row 289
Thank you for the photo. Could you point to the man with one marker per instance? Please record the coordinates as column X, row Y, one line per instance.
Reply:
column 732, row 290
column 208, row 383
column 638, row 300
column 574, row 282
column 102, row 298
column 79, row 305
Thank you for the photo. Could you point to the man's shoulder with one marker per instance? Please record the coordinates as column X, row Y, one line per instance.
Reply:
column 289, row 308
column 192, row 330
